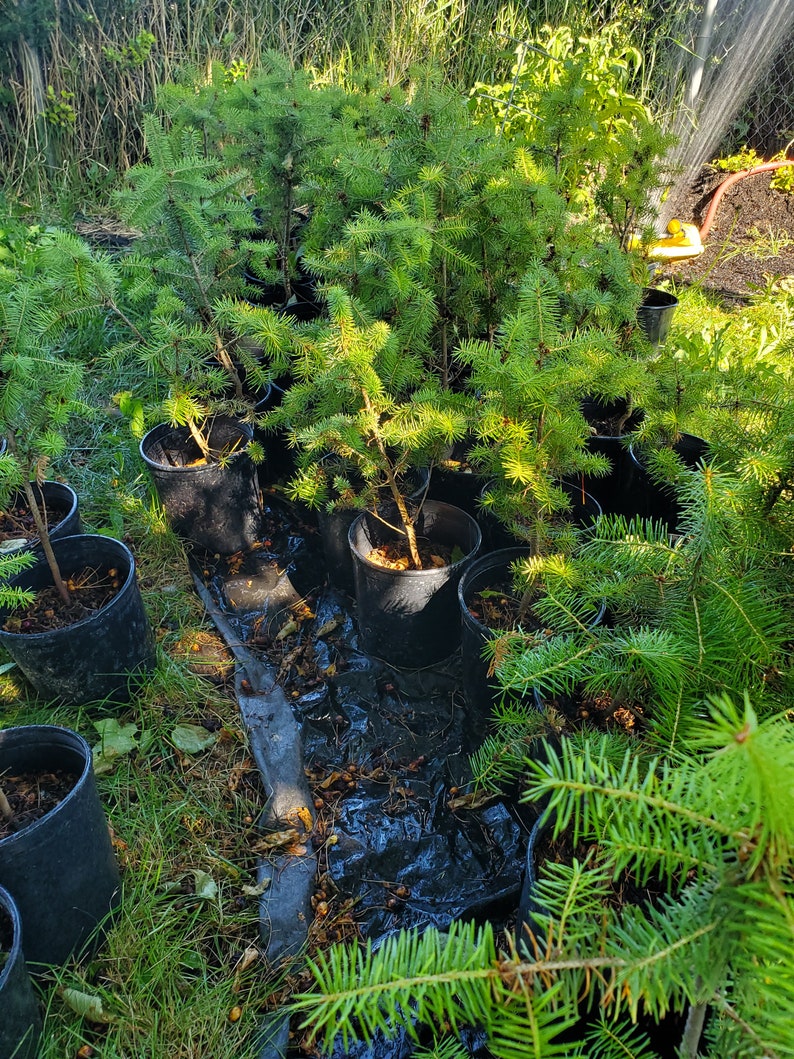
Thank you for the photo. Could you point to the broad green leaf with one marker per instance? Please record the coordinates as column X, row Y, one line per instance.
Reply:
column 206, row 887
column 115, row 740
column 192, row 738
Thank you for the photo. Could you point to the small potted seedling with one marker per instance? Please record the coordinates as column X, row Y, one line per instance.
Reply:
column 359, row 398
column 440, row 250
column 272, row 123
column 177, row 300
column 531, row 441
column 84, row 587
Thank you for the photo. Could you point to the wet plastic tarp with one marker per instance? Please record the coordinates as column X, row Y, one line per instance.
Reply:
column 386, row 747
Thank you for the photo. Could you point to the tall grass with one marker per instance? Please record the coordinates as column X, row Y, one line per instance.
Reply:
column 81, row 73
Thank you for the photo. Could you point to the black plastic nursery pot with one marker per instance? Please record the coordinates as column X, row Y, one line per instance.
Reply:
column 461, row 488
column 409, row 618
column 60, row 501
column 531, row 933
column 481, row 691
column 61, row 869
column 655, row 314
column 20, row 1022
column 657, row 501
column 453, row 480
column 489, row 572
column 334, row 529
column 95, row 658
column 614, row 490
column 217, row 505
column 302, row 303
column 583, row 512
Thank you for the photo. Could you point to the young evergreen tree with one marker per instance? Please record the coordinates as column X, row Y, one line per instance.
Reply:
column 176, row 297
column 715, row 825
column 45, row 298
column 568, row 338
column 275, row 124
column 703, row 610
column 357, row 396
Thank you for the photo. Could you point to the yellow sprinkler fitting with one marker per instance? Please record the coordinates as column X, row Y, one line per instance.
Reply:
column 683, row 241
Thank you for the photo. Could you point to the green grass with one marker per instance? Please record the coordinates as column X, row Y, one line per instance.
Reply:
column 168, row 977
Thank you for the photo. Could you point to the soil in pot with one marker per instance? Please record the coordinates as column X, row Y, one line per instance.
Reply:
column 59, row 512
column 28, row 796
column 334, row 525
column 90, row 589
column 394, row 555
column 603, row 711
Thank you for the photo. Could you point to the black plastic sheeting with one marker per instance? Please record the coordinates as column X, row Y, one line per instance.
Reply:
column 402, row 854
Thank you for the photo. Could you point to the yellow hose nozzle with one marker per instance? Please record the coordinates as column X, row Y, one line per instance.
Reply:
column 682, row 242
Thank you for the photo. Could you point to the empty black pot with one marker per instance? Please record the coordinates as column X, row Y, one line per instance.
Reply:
column 94, row 658
column 20, row 1024
column 409, row 618
column 611, row 437
column 655, row 314
column 213, row 505
column 60, row 870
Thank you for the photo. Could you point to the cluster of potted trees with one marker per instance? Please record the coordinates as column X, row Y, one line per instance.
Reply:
column 73, row 621
column 423, row 306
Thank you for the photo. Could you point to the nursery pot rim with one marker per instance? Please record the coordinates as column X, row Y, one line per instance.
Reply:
column 657, row 298
column 246, row 432
column 41, row 560
column 9, row 906
column 495, row 558
column 464, row 559
column 79, row 745
column 39, row 487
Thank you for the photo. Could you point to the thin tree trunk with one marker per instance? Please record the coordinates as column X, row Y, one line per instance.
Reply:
column 6, row 811
column 696, row 1017
column 402, row 509
column 41, row 526
column 44, row 537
